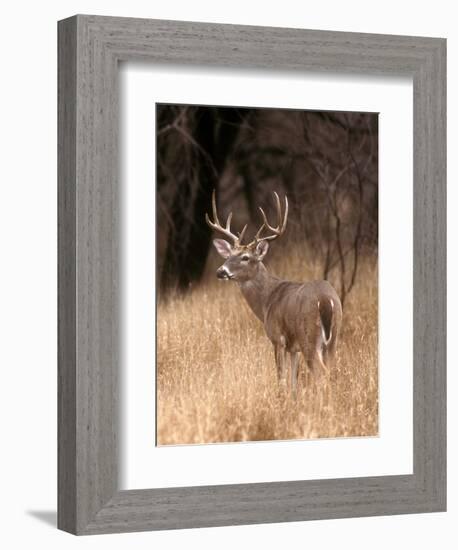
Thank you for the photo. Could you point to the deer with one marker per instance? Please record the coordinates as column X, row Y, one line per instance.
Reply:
column 298, row 317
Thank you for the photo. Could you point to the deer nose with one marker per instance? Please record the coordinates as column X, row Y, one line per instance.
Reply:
column 223, row 273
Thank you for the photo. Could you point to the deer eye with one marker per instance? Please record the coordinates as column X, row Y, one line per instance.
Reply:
column 245, row 258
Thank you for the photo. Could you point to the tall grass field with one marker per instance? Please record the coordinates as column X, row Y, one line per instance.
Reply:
column 216, row 374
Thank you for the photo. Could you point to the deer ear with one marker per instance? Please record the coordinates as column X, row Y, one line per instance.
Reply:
column 261, row 250
column 223, row 247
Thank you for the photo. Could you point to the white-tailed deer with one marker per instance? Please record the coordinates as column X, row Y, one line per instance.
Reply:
column 298, row 317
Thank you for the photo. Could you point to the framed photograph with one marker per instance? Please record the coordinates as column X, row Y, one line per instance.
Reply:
column 251, row 275
column 216, row 382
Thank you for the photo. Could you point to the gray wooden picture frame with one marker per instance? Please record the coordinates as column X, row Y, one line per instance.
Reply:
column 90, row 49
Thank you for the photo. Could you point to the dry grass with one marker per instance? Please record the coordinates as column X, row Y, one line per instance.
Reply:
column 216, row 376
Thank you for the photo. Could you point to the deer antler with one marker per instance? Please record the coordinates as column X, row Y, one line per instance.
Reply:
column 281, row 223
column 216, row 225
column 237, row 240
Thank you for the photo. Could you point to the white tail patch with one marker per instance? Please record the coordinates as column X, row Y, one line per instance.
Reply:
column 323, row 332
column 326, row 340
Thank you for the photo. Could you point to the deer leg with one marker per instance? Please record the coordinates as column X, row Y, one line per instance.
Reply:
column 320, row 359
column 280, row 359
column 330, row 359
column 294, row 371
column 309, row 364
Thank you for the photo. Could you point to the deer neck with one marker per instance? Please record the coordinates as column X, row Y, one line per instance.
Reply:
column 257, row 290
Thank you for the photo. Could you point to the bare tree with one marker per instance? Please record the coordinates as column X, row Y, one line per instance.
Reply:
column 326, row 162
column 193, row 144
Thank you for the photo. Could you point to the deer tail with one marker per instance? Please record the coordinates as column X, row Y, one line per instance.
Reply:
column 326, row 310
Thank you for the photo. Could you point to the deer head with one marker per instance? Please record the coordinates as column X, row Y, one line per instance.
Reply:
column 242, row 260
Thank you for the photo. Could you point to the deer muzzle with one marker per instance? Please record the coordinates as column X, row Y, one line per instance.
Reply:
column 223, row 273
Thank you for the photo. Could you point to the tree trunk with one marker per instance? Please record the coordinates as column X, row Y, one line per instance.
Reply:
column 213, row 138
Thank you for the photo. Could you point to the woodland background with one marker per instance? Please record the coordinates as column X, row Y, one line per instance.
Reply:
column 326, row 163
